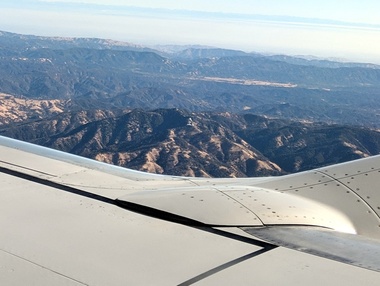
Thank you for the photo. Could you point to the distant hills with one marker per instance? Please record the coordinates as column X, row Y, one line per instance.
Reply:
column 96, row 73
column 19, row 43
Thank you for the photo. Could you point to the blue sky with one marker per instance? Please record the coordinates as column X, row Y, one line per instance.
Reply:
column 327, row 28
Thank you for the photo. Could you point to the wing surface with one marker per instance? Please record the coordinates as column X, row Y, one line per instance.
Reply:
column 67, row 220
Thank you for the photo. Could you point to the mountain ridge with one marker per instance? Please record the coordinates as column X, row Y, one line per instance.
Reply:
column 208, row 144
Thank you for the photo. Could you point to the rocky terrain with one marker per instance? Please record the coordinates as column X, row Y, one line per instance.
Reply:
column 209, row 144
column 166, row 141
column 16, row 110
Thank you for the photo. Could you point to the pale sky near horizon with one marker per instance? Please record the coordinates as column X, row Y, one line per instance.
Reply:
column 342, row 28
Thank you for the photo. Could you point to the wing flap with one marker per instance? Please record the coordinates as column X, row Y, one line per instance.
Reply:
column 347, row 248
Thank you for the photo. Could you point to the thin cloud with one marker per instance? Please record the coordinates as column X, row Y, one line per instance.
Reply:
column 117, row 8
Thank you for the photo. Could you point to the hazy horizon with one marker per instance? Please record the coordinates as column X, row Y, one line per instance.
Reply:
column 349, row 31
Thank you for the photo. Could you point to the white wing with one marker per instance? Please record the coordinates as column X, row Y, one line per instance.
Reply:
column 67, row 220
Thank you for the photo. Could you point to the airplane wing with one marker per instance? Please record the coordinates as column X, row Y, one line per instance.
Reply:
column 67, row 220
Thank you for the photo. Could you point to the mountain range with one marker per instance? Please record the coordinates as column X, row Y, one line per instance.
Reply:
column 96, row 73
column 192, row 111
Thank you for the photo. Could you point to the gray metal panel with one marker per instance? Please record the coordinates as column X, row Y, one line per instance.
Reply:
column 326, row 190
column 285, row 208
column 362, row 178
column 18, row 271
column 205, row 205
column 100, row 244
column 283, row 266
column 242, row 206
column 97, row 243
column 352, row 249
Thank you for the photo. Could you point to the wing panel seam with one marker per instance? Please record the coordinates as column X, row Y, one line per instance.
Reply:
column 55, row 185
column 43, row 267
column 352, row 191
